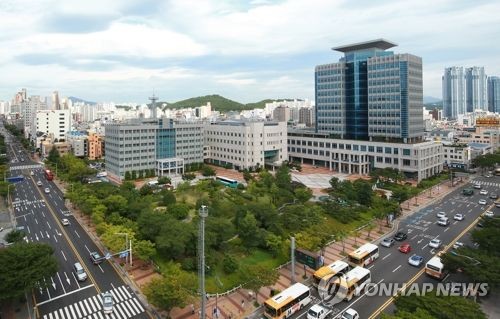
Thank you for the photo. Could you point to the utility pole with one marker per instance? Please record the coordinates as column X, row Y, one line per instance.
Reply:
column 292, row 252
column 203, row 212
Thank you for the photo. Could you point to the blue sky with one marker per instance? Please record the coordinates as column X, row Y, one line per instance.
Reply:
column 123, row 50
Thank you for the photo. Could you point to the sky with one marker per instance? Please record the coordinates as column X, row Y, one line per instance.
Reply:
column 126, row 50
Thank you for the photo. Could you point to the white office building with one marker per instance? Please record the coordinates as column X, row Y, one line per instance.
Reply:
column 246, row 144
column 53, row 124
column 416, row 160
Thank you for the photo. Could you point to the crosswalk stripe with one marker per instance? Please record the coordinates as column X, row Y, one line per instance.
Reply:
column 119, row 294
column 97, row 302
column 138, row 304
column 56, row 315
column 114, row 296
column 50, row 315
column 122, row 288
column 100, row 315
column 44, row 316
column 119, row 307
column 62, row 313
column 127, row 305
column 67, row 312
column 88, row 307
column 72, row 312
column 82, row 307
column 77, row 310
column 133, row 306
column 112, row 315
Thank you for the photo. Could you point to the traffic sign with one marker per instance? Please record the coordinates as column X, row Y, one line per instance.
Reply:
column 307, row 258
column 124, row 254
column 108, row 256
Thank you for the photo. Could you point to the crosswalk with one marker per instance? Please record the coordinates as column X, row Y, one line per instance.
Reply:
column 21, row 167
column 125, row 306
column 487, row 183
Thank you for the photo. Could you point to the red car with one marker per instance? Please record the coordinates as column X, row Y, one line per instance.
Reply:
column 405, row 248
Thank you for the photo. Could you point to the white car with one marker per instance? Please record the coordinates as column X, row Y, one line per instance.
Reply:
column 39, row 183
column 65, row 222
column 478, row 186
column 458, row 217
column 435, row 243
column 107, row 303
column 483, row 192
column 350, row 314
column 441, row 214
column 47, row 190
column 416, row 260
column 32, row 173
column 489, row 213
column 482, row 202
column 458, row 245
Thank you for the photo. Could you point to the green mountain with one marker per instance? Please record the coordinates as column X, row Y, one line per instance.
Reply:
column 219, row 103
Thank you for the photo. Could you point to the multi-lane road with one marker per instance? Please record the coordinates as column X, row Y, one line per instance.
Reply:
column 39, row 213
column 392, row 266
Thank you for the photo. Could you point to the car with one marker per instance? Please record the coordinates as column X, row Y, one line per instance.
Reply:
column 416, row 260
column 489, row 213
column 488, row 175
column 350, row 314
column 441, row 214
column 445, row 221
column 435, row 243
column 387, row 242
column 32, row 173
column 405, row 248
column 477, row 186
column 457, row 245
column 96, row 258
column 47, row 190
column 65, row 222
column 458, row 217
column 494, row 196
column 483, row 192
column 497, row 204
column 107, row 303
column 39, row 183
column 400, row 236
column 482, row 202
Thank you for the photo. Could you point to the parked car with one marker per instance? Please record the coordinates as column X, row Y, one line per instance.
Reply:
column 435, row 243
column 494, row 196
column 405, row 248
column 400, row 236
column 457, row 245
column 489, row 213
column 387, row 242
column 416, row 260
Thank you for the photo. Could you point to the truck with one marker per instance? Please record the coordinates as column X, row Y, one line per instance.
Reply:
column 318, row 312
column 48, row 175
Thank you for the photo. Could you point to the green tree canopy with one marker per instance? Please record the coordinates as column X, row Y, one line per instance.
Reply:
column 23, row 267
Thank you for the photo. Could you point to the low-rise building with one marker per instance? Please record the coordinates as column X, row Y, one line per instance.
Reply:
column 456, row 154
column 95, row 146
column 246, row 144
column 416, row 160
column 78, row 142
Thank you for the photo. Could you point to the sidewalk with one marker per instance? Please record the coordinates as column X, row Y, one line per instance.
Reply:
column 239, row 304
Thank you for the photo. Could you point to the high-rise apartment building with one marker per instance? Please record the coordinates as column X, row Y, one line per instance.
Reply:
column 56, row 105
column 370, row 93
column 281, row 114
column 453, row 92
column 494, row 94
column 475, row 85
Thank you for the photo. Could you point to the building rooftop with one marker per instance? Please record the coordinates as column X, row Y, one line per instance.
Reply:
column 372, row 44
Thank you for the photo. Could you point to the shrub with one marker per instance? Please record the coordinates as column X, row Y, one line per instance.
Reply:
column 229, row 264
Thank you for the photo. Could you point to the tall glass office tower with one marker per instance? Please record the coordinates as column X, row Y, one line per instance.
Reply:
column 475, row 84
column 453, row 92
column 494, row 94
column 370, row 94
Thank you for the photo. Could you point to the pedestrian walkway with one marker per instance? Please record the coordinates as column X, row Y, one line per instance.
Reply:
column 239, row 304
column 125, row 306
column 487, row 183
column 21, row 167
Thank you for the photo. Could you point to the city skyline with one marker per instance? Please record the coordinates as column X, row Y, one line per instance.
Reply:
column 123, row 50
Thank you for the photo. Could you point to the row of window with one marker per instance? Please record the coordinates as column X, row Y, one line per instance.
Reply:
column 354, row 147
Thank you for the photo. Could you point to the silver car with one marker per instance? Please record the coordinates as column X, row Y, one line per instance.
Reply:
column 107, row 302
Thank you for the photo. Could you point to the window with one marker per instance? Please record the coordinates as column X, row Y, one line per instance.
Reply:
column 363, row 148
column 380, row 159
column 388, row 150
column 379, row 149
column 406, row 162
column 406, row 151
column 388, row 160
column 396, row 151
column 371, row 149
column 355, row 147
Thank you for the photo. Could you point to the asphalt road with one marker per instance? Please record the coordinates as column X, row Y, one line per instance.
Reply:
column 392, row 266
column 39, row 214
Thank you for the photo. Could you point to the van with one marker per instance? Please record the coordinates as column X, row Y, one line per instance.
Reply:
column 152, row 183
column 80, row 274
column 444, row 221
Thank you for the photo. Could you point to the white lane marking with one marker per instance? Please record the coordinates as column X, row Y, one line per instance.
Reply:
column 43, row 214
column 87, row 248
column 36, row 221
column 50, row 227
column 77, row 234
column 61, row 282
column 396, row 268
column 414, row 237
column 142, row 309
column 445, row 230
column 386, row 256
column 113, row 286
column 62, row 252
column 425, row 246
column 29, row 231
column 101, row 268
column 76, row 280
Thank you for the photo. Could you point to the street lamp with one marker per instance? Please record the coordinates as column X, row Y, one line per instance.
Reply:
column 128, row 247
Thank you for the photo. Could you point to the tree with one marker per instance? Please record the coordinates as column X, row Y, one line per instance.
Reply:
column 141, row 174
column 15, row 236
column 168, row 198
column 341, row 236
column 364, row 192
column 303, row 194
column 247, row 176
column 229, row 264
column 207, row 171
column 249, row 231
column 144, row 249
column 150, row 223
column 175, row 289
column 369, row 227
column 164, row 180
column 127, row 176
column 257, row 276
column 334, row 183
column 116, row 203
column 179, row 210
column 24, row 267
column 54, row 155
column 134, row 175
column 403, row 314
column 274, row 243
column 444, row 307
column 283, row 177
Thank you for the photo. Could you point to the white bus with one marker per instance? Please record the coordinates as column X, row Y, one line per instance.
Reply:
column 364, row 255
column 287, row 302
column 338, row 267
column 353, row 283
column 435, row 268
